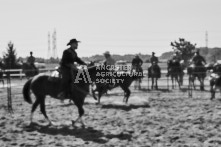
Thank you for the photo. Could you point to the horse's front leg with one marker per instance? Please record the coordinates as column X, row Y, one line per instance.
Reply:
column 193, row 82
column 126, row 94
column 201, row 83
column 156, row 86
column 212, row 91
column 172, row 78
column 152, row 82
column 79, row 104
column 178, row 81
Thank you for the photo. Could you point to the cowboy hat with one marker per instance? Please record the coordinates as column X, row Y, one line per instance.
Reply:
column 73, row 41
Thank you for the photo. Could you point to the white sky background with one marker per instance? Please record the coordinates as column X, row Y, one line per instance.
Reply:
column 120, row 26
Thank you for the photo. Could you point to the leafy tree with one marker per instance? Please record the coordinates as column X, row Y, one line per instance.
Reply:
column 185, row 48
column 9, row 58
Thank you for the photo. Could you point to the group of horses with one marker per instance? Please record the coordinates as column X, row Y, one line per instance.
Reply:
column 42, row 85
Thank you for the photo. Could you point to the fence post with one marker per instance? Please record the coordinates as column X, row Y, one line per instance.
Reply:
column 10, row 110
column 190, row 92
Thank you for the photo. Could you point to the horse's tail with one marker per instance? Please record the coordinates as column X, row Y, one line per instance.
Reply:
column 26, row 91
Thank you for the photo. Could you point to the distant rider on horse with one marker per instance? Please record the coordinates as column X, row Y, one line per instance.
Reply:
column 217, row 67
column 31, row 60
column 198, row 60
column 68, row 68
column 137, row 63
column 109, row 61
column 154, row 62
column 174, row 58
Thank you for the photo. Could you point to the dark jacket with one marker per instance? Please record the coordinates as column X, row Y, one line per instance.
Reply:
column 137, row 61
column 154, row 59
column 69, row 57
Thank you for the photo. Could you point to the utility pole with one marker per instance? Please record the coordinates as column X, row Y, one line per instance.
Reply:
column 206, row 39
column 49, row 46
column 54, row 44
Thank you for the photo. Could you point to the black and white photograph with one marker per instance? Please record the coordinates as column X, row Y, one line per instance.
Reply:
column 110, row 73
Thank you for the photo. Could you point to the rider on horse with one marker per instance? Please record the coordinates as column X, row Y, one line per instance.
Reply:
column 176, row 58
column 217, row 67
column 68, row 68
column 31, row 60
column 137, row 63
column 109, row 61
column 198, row 60
column 154, row 62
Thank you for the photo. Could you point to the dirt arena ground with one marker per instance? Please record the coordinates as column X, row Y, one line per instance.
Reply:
column 151, row 118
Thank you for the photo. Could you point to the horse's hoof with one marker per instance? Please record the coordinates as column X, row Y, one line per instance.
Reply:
column 73, row 123
column 83, row 126
column 31, row 124
column 50, row 124
column 98, row 103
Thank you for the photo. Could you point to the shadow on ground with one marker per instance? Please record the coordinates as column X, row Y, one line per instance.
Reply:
column 86, row 134
column 124, row 107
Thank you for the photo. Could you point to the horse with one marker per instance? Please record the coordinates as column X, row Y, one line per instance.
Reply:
column 42, row 85
column 122, row 79
column 139, row 70
column 197, row 70
column 215, row 83
column 216, row 68
column 175, row 71
column 29, row 70
column 214, row 78
column 154, row 72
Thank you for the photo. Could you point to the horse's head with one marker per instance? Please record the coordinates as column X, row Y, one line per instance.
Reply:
column 217, row 69
column 209, row 66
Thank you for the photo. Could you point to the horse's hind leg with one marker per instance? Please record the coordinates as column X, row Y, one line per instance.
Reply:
column 42, row 106
column 34, row 106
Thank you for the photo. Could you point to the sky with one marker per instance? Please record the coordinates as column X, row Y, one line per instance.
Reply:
column 119, row 26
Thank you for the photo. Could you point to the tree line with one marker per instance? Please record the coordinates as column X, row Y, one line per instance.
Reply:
column 185, row 49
